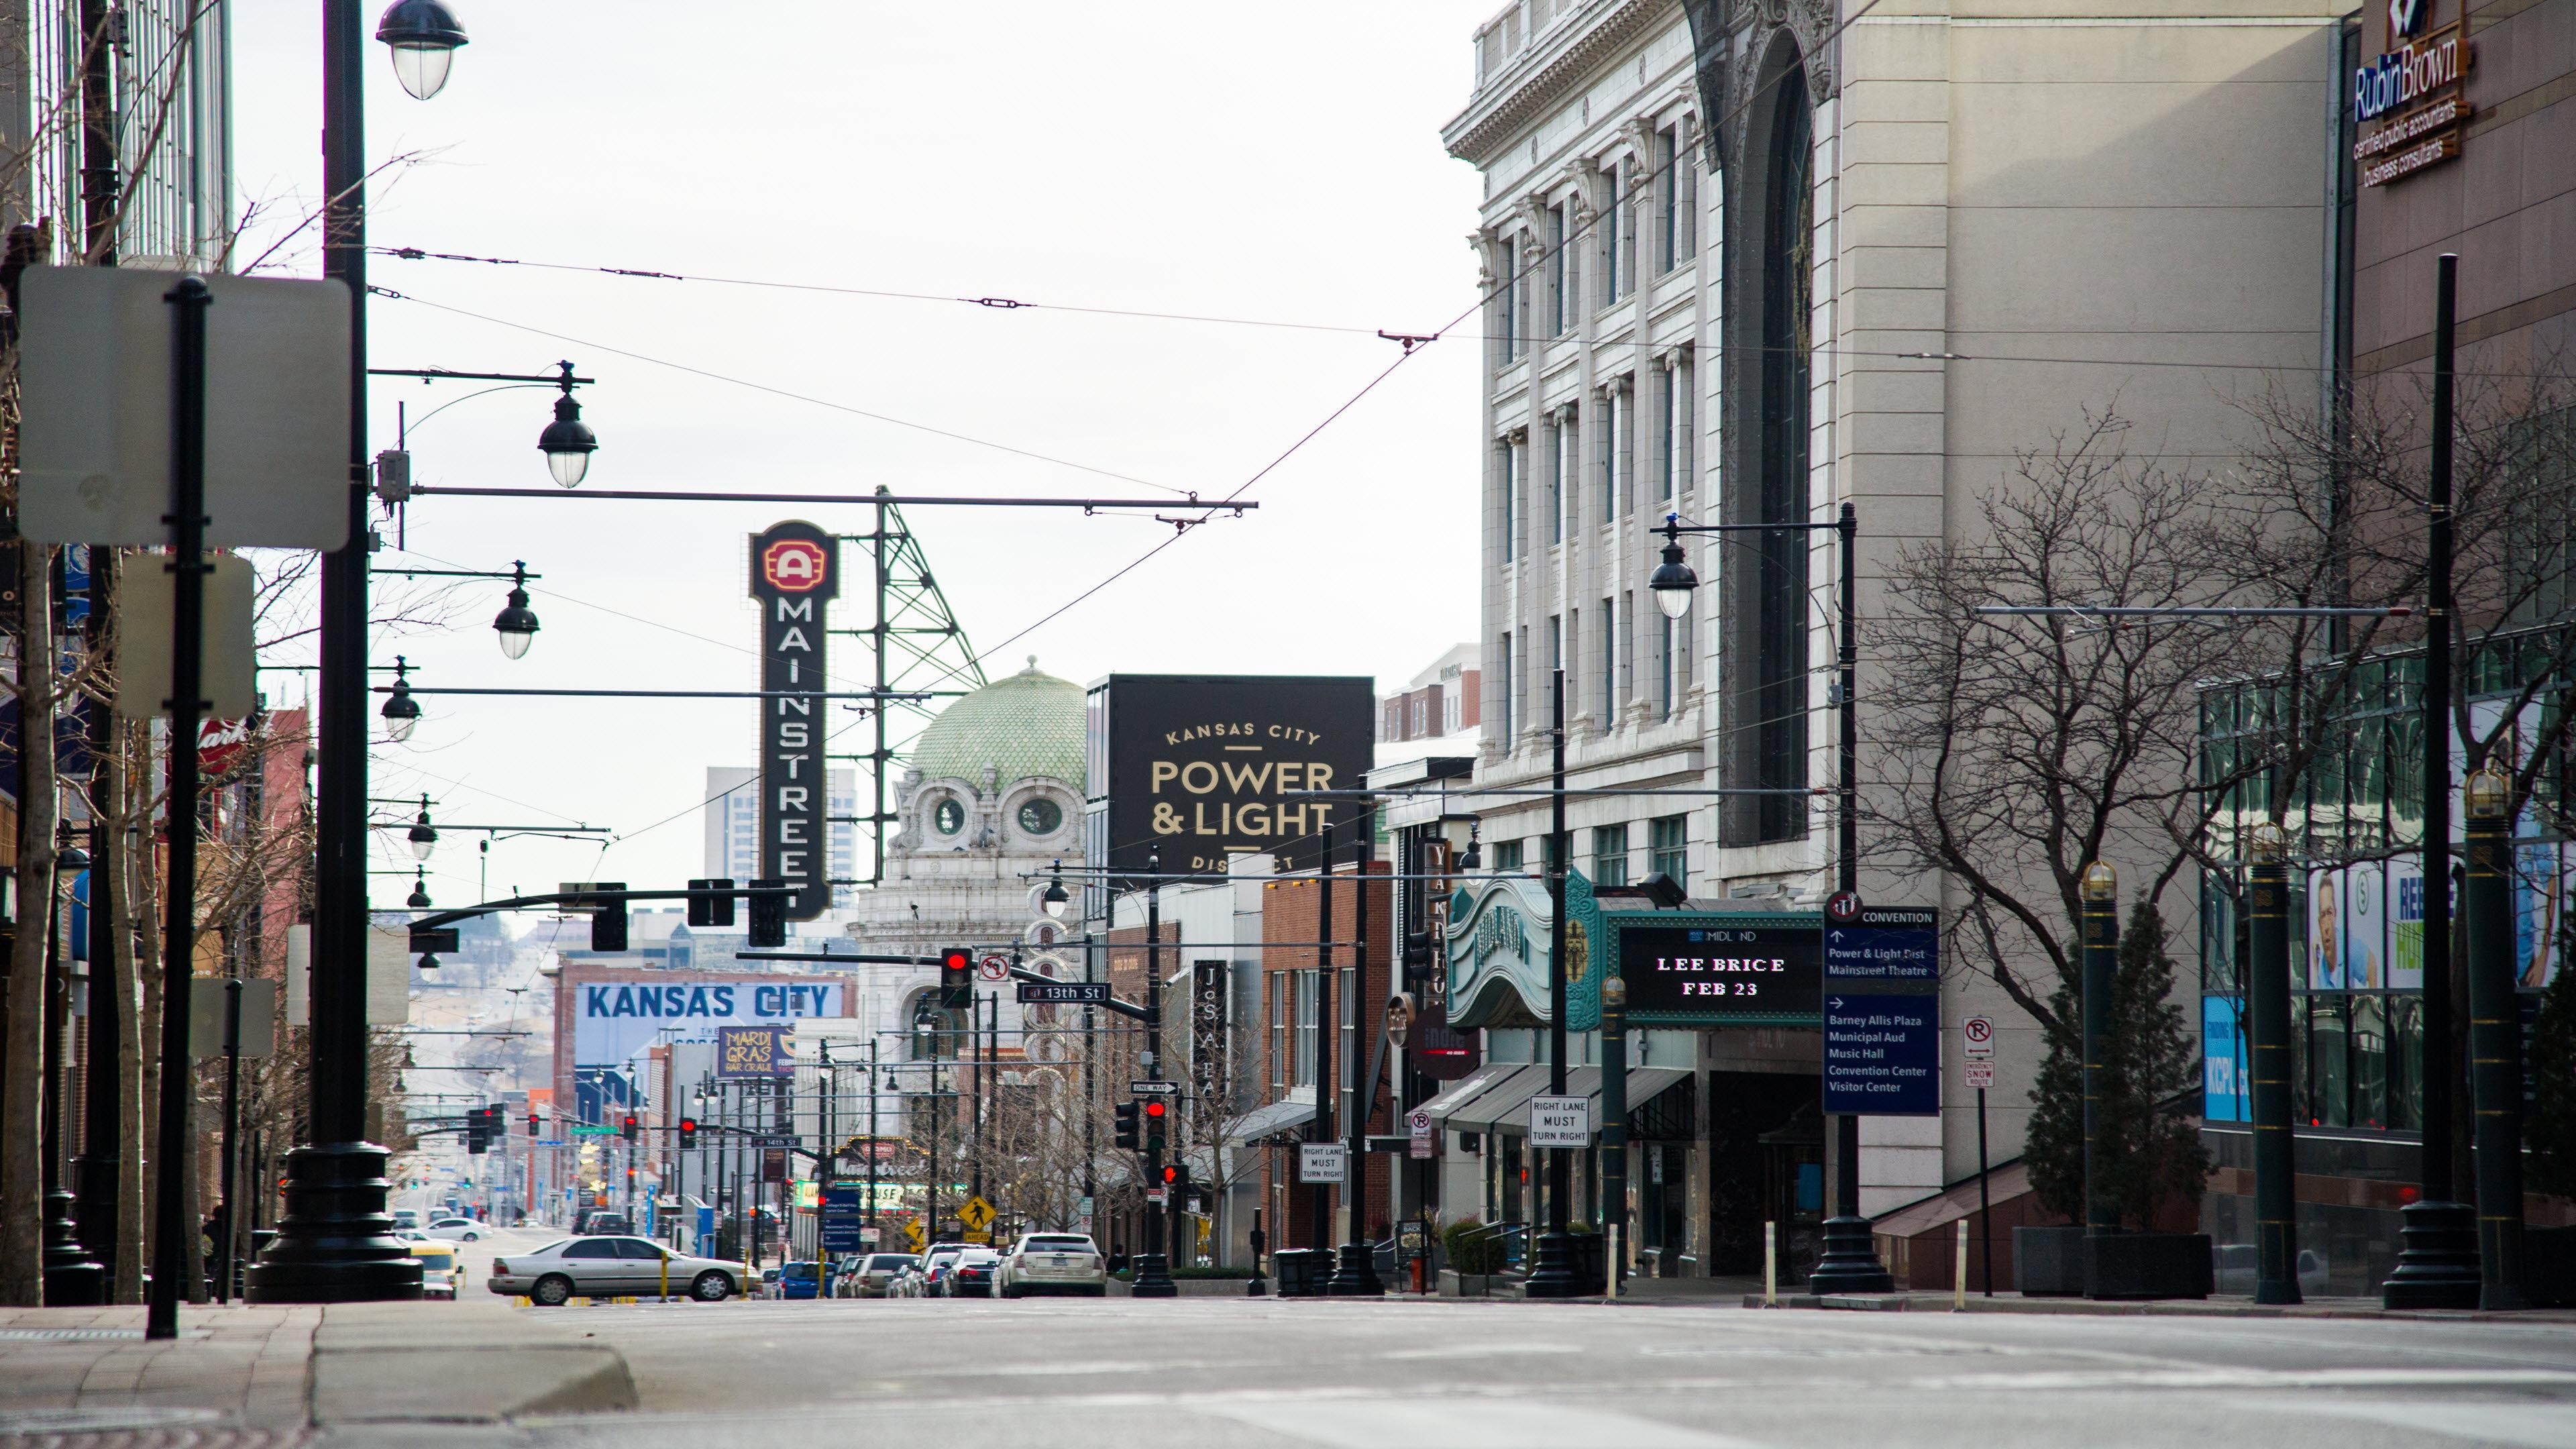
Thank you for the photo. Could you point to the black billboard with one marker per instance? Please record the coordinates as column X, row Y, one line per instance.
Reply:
column 1199, row 768
column 795, row 572
column 1740, row 971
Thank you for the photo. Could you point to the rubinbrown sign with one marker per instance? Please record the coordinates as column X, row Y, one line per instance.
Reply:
column 1197, row 769
column 2415, row 90
column 795, row 573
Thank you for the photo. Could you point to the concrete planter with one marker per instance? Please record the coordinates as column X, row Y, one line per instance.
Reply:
column 2147, row 1265
column 1454, row 1284
column 2048, row 1262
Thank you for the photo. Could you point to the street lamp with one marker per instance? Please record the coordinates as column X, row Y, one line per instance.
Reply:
column 423, row 35
column 401, row 711
column 516, row 624
column 424, row 836
column 567, row 442
column 1673, row 582
column 1055, row 899
column 418, row 900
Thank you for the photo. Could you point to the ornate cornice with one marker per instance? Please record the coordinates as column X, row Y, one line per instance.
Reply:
column 1541, row 77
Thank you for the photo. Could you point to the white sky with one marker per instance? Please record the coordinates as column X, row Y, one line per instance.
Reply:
column 1263, row 161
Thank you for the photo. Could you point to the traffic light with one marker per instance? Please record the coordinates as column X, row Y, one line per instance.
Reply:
column 1157, row 1112
column 608, row 928
column 956, row 979
column 1176, row 1176
column 707, row 907
column 1417, row 955
column 533, row 1133
column 768, row 915
column 1127, row 1135
column 628, row 1127
column 688, row 1132
column 478, row 1130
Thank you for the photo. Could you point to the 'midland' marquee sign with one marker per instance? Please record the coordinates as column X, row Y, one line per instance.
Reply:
column 795, row 572
column 1195, row 769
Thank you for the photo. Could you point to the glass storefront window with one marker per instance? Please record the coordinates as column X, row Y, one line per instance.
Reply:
column 2329, row 1062
column 2370, row 1062
column 2406, row 1063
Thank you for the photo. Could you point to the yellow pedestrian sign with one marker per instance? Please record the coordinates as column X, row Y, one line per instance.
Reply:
column 912, row 1233
column 977, row 1214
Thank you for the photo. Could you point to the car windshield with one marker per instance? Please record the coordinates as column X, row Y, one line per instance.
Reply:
column 889, row 1261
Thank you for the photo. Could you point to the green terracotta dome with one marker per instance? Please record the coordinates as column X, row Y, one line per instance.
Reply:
column 1029, row 723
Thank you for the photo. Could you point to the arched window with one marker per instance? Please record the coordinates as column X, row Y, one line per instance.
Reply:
column 1780, row 646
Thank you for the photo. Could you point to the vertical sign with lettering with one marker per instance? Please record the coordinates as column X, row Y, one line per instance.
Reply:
column 795, row 573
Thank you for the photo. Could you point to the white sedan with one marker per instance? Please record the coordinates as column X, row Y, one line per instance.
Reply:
column 1052, row 1263
column 463, row 1230
column 612, row 1267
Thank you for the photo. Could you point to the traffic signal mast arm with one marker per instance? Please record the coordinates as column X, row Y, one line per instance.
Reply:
column 1112, row 1003
column 581, row 899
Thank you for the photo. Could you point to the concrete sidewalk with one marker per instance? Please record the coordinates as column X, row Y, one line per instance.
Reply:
column 2217, row 1305
column 277, row 1372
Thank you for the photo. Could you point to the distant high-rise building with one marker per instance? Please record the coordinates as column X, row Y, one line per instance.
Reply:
column 733, row 826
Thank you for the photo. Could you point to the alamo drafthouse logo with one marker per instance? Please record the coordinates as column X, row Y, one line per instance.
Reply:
column 2416, row 90
column 1205, row 768
column 794, row 574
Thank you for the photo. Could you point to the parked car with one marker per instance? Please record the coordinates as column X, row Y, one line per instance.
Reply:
column 463, row 1230
column 440, row 1273
column 406, row 1217
column 601, row 1221
column 2238, row 1265
column 798, row 1280
column 935, row 1266
column 1052, row 1263
column 875, row 1275
column 603, row 1267
column 970, row 1274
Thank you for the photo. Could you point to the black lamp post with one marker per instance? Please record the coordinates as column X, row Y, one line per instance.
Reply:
column 422, row 836
column 334, row 1241
column 567, row 442
column 2495, row 1036
column 401, row 711
column 2099, row 889
column 1847, row 1260
column 1552, row 1272
column 2267, row 1032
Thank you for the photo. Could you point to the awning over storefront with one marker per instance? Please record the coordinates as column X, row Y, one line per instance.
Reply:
column 1585, row 1082
column 1481, row 1100
column 1269, row 1121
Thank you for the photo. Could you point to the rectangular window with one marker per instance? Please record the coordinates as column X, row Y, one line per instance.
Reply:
column 1608, row 227
column 1279, row 983
column 1503, row 688
column 1685, row 444
column 1508, row 462
column 1507, row 855
column 1686, row 209
column 1610, row 855
column 1555, row 483
column 1668, row 848
column 1509, row 288
column 1558, row 318
column 1555, row 642
column 1605, row 456
column 1668, row 251
column 1664, row 682
column 1664, row 432
column 1521, row 685
column 1609, row 666
column 1307, row 987
column 1628, row 655
column 1623, row 451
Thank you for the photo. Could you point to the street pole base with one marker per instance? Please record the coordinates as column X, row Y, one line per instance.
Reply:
column 1847, row 1261
column 1154, row 1277
column 2500, row 1264
column 1256, row 1286
column 95, row 1196
column 2438, row 1265
column 71, row 1279
column 335, row 1243
column 1552, row 1272
column 1355, row 1273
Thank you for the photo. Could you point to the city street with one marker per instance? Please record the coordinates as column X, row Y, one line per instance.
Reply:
column 1497, row 1375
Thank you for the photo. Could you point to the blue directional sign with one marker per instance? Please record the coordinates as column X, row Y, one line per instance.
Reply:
column 843, row 1211
column 1883, row 1054
column 1896, row 945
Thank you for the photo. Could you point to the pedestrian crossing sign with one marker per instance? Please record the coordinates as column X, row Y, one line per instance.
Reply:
column 977, row 1214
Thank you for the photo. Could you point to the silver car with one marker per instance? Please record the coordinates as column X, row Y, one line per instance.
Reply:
column 1053, row 1263
column 610, row 1267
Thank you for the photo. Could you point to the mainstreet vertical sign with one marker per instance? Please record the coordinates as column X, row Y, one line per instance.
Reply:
column 795, row 573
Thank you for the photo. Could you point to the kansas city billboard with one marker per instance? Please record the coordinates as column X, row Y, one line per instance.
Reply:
column 1197, row 769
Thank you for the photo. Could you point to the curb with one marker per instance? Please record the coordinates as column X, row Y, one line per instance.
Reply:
column 2357, row 1308
column 380, row 1363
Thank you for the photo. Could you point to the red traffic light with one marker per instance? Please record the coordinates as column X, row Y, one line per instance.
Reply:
column 688, row 1124
column 1155, row 1110
column 1171, row 1175
column 955, row 958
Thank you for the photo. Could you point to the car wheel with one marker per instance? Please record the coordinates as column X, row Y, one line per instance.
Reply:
column 472, row 1237
column 710, row 1287
column 1011, row 1291
column 551, row 1291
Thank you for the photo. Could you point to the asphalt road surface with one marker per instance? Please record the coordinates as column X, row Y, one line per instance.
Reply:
column 1202, row 1371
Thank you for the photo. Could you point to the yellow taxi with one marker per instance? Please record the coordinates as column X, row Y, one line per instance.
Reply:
column 440, row 1272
